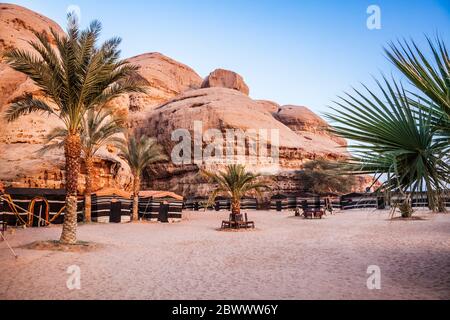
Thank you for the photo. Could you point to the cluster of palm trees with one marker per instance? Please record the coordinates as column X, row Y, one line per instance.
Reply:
column 80, row 78
column 402, row 132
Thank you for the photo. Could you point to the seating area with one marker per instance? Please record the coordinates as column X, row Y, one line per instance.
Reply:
column 315, row 211
column 239, row 222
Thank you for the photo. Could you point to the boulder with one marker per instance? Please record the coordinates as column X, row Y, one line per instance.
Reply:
column 226, row 79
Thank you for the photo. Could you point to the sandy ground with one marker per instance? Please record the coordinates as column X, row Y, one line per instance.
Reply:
column 286, row 258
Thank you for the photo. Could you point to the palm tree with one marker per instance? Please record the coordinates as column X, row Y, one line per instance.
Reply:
column 394, row 139
column 430, row 76
column 76, row 75
column 139, row 153
column 98, row 128
column 235, row 182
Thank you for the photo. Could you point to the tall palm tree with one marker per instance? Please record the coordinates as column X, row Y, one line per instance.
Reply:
column 98, row 128
column 394, row 139
column 235, row 182
column 139, row 153
column 76, row 75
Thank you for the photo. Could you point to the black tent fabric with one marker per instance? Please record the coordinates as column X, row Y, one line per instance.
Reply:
column 38, row 201
column 150, row 208
column 222, row 204
column 249, row 204
column 279, row 202
column 102, row 206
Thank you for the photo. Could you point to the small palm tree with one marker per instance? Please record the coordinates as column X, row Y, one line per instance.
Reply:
column 139, row 153
column 76, row 75
column 97, row 129
column 394, row 139
column 235, row 182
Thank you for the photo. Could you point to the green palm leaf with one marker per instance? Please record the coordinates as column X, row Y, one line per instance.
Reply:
column 392, row 138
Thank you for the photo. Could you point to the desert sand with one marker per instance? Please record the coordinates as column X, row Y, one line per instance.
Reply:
column 285, row 258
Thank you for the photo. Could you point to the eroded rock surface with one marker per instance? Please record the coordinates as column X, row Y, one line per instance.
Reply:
column 177, row 97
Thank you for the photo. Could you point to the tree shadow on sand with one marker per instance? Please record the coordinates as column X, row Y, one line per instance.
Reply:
column 79, row 247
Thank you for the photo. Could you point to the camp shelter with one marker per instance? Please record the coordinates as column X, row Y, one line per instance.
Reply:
column 222, row 203
column 248, row 203
column 279, row 202
column 111, row 205
column 357, row 200
column 35, row 207
column 163, row 206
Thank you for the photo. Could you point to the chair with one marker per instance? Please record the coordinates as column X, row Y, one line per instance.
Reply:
column 319, row 213
column 226, row 224
column 307, row 212
column 312, row 213
column 230, row 223
column 249, row 223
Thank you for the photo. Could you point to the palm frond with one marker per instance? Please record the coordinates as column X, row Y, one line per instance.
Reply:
column 140, row 153
column 394, row 138
column 27, row 105
column 430, row 76
column 234, row 182
column 75, row 72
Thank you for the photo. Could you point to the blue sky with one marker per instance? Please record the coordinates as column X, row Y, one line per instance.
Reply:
column 291, row 52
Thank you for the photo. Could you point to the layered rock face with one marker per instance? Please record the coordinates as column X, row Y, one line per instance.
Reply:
column 177, row 100
column 223, row 109
column 305, row 123
column 19, row 141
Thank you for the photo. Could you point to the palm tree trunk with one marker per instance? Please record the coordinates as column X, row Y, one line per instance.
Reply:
column 440, row 195
column 88, row 190
column 136, row 187
column 235, row 208
column 72, row 150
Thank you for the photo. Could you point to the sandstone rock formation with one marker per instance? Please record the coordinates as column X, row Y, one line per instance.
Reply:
column 165, row 77
column 222, row 109
column 20, row 140
column 176, row 98
column 226, row 79
column 305, row 122
column 19, row 164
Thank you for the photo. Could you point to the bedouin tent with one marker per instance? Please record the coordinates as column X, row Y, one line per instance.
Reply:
column 357, row 200
column 197, row 203
column 418, row 199
column 279, row 202
column 111, row 205
column 35, row 207
column 163, row 206
column 311, row 201
column 248, row 203
column 222, row 203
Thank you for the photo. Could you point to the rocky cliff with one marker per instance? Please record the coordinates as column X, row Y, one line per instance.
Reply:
column 177, row 99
